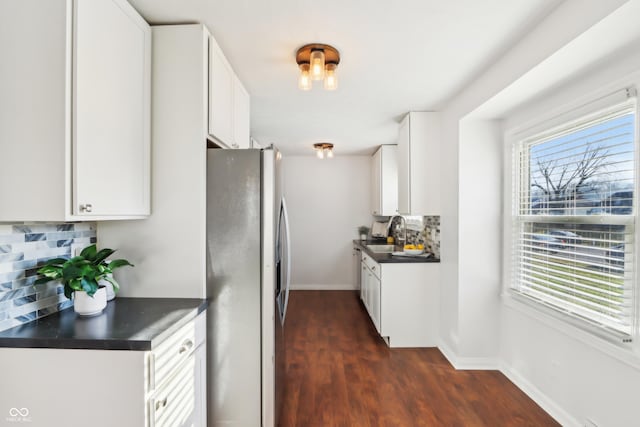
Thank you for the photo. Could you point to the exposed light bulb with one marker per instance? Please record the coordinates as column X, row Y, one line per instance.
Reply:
column 330, row 78
column 317, row 64
column 304, row 81
column 320, row 153
column 330, row 153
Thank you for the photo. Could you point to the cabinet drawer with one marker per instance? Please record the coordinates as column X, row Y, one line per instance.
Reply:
column 371, row 265
column 174, row 350
column 174, row 404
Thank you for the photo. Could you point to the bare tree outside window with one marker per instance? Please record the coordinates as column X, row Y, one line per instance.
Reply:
column 588, row 172
column 562, row 183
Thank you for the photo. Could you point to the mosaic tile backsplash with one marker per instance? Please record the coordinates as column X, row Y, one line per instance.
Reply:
column 425, row 230
column 23, row 249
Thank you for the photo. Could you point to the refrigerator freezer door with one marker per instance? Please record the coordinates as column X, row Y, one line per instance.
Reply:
column 234, row 252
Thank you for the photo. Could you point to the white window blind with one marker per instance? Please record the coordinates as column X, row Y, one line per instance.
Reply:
column 574, row 210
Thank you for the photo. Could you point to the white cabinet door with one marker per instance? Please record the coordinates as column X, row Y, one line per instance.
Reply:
column 404, row 171
column 368, row 296
column 241, row 115
column 375, row 302
column 388, row 180
column 376, row 182
column 363, row 278
column 34, row 102
column 363, row 284
column 419, row 164
column 110, row 121
column 221, row 82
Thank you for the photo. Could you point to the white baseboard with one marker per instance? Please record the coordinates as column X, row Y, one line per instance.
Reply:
column 544, row 401
column 478, row 363
column 468, row 363
column 322, row 287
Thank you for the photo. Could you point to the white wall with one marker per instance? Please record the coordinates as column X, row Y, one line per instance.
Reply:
column 327, row 200
column 577, row 375
column 480, row 228
column 561, row 27
column 570, row 373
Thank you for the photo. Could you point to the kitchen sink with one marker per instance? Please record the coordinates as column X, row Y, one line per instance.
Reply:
column 381, row 249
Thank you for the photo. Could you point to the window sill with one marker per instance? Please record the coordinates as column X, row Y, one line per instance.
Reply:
column 587, row 334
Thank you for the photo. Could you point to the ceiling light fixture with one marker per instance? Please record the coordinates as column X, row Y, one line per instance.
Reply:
column 318, row 62
column 322, row 149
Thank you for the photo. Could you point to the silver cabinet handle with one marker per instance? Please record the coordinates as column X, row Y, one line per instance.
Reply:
column 86, row 208
column 161, row 404
column 186, row 346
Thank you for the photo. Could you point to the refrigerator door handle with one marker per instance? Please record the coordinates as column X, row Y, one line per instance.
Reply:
column 287, row 259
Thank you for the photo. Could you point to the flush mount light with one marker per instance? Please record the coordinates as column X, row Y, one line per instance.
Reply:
column 323, row 149
column 318, row 62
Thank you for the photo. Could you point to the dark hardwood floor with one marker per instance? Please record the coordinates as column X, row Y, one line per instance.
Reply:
column 341, row 373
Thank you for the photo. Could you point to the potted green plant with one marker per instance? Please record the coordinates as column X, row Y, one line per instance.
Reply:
column 85, row 278
column 363, row 231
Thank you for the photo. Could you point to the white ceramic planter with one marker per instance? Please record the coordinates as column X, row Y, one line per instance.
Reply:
column 85, row 305
column 111, row 294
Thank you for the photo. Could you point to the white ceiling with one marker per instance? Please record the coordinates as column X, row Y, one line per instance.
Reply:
column 395, row 57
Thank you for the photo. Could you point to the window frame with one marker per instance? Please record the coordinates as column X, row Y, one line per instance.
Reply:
column 514, row 139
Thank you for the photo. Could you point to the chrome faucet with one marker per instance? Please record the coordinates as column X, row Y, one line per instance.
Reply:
column 404, row 221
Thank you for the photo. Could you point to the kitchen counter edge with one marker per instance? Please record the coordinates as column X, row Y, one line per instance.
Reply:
column 387, row 258
column 137, row 324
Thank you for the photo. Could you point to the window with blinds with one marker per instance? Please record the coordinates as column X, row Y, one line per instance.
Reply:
column 575, row 209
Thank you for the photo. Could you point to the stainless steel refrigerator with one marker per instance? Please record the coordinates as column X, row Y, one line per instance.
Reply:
column 248, row 272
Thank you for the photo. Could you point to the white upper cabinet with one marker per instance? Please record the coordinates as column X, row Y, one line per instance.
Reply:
column 229, row 102
column 384, row 176
column 75, row 127
column 419, row 164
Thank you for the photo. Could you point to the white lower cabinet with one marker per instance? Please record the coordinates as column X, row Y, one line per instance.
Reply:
column 402, row 300
column 106, row 388
column 371, row 285
column 176, row 395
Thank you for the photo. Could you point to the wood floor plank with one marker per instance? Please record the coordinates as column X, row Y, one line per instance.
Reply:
column 340, row 373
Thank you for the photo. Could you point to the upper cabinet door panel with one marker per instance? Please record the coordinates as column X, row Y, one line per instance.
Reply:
column 110, row 121
column 419, row 164
column 389, row 180
column 241, row 115
column 376, row 184
column 404, row 182
column 221, row 81
column 33, row 107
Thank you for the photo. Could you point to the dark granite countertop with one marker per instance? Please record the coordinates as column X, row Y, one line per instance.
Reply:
column 388, row 258
column 125, row 324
